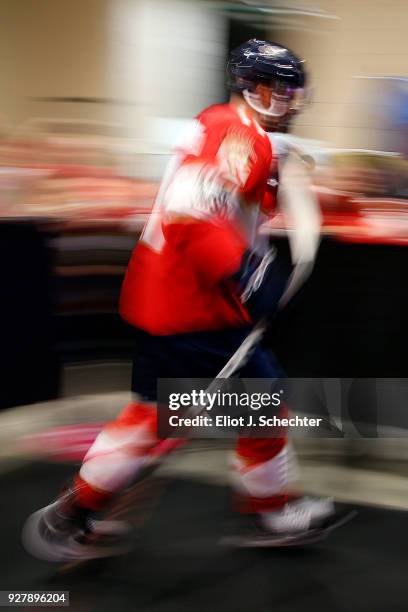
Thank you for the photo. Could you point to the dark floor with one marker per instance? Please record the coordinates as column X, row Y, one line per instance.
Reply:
column 179, row 564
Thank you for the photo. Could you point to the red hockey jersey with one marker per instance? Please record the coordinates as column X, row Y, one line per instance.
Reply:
column 205, row 216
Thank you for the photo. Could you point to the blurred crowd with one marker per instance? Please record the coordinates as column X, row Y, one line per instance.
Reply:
column 80, row 173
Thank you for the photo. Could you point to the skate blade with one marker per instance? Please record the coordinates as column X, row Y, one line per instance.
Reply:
column 262, row 540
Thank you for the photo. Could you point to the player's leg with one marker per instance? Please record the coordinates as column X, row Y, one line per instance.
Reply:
column 121, row 448
column 69, row 528
column 266, row 480
column 64, row 529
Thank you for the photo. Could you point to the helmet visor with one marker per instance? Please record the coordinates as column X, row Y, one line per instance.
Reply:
column 276, row 99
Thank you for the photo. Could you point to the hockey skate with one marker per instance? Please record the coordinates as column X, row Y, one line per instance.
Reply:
column 300, row 522
column 62, row 532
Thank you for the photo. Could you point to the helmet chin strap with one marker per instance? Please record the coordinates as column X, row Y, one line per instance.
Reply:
column 277, row 108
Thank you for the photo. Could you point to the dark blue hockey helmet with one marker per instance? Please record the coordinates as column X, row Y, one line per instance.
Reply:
column 259, row 62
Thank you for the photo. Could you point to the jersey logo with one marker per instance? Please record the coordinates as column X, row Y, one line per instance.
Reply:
column 236, row 156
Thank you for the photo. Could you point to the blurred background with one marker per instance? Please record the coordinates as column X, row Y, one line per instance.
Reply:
column 93, row 95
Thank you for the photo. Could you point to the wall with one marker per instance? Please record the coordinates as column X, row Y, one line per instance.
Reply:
column 368, row 37
column 164, row 58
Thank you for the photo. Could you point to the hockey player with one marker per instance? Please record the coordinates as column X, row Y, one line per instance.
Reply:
column 186, row 293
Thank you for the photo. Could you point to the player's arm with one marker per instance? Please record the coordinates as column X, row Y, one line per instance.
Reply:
column 300, row 207
column 303, row 219
column 208, row 189
column 220, row 257
column 214, row 250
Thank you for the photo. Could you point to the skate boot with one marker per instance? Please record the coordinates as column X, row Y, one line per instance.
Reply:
column 65, row 532
column 301, row 521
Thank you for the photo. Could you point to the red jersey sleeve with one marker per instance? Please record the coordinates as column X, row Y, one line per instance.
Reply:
column 213, row 251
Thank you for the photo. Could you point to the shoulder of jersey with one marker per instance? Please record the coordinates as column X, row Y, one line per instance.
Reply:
column 225, row 115
column 217, row 113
